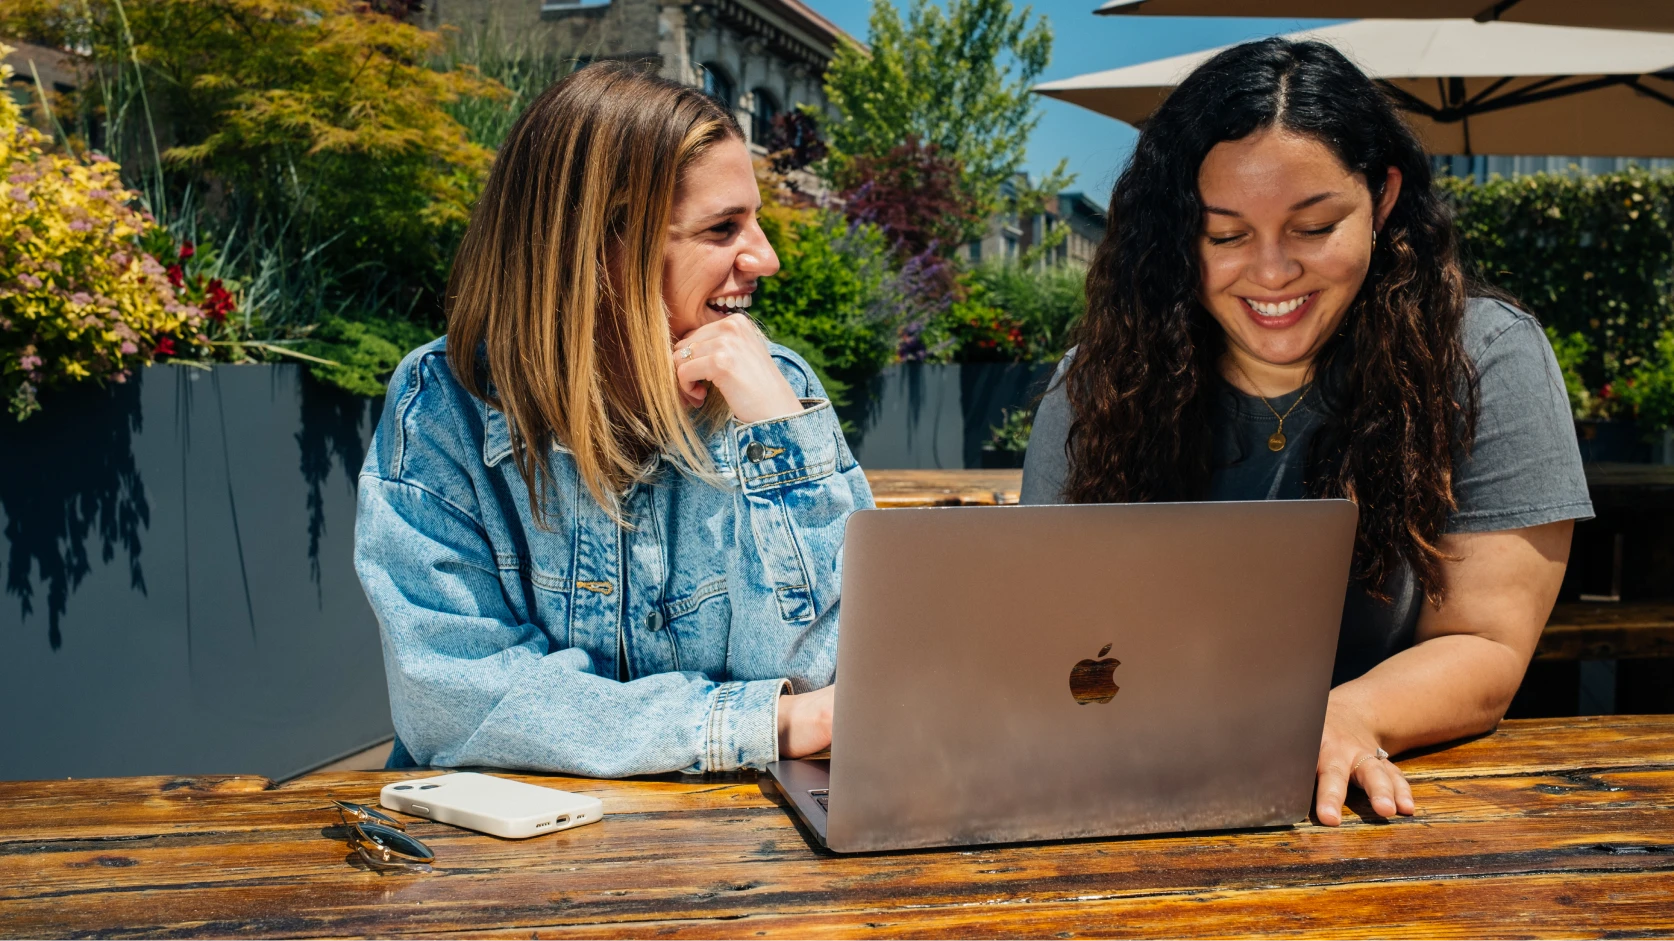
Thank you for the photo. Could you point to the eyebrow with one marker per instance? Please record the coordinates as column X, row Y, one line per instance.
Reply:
column 733, row 211
column 1310, row 201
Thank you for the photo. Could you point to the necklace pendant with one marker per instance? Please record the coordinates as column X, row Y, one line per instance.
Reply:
column 1277, row 442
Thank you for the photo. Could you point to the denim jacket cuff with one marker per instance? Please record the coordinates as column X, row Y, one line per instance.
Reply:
column 790, row 450
column 743, row 726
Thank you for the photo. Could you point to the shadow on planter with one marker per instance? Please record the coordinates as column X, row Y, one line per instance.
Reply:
column 921, row 415
column 67, row 481
column 183, row 541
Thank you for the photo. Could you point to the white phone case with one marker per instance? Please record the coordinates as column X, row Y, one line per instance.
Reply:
column 497, row 806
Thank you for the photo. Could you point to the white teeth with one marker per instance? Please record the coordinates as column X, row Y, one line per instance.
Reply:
column 733, row 302
column 1278, row 310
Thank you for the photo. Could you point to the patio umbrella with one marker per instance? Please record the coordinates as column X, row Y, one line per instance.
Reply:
column 1608, row 14
column 1469, row 88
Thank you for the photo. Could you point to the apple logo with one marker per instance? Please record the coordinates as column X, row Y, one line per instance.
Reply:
column 1095, row 680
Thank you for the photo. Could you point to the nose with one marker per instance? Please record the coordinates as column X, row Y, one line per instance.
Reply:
column 1273, row 267
column 756, row 257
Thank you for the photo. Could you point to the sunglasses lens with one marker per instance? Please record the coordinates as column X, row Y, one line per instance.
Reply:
column 397, row 842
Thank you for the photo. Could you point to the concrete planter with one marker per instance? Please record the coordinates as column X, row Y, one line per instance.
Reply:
column 919, row 415
column 180, row 595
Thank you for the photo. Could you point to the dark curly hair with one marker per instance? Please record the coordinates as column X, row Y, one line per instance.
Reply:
column 1397, row 387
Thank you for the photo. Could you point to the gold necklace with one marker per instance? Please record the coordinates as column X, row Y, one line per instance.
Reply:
column 1277, row 441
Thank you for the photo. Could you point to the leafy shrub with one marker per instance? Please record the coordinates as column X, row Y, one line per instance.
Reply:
column 363, row 352
column 914, row 194
column 321, row 122
column 1649, row 391
column 826, row 300
column 1012, row 433
column 80, row 298
column 973, row 332
column 1590, row 255
column 1045, row 302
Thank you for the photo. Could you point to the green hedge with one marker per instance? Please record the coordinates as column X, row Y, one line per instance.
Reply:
column 1590, row 255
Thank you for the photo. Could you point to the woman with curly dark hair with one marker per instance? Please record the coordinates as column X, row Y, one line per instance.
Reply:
column 1279, row 311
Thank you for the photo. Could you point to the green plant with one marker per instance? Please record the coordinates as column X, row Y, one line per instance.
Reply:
column 1592, row 255
column 1046, row 302
column 1573, row 352
column 1012, row 433
column 824, row 302
column 81, row 300
column 319, row 123
column 1649, row 391
column 363, row 352
column 521, row 67
column 972, row 331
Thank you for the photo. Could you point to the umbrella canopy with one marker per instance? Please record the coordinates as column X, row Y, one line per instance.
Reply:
column 1468, row 87
column 1607, row 14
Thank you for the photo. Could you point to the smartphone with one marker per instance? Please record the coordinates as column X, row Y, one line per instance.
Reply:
column 497, row 806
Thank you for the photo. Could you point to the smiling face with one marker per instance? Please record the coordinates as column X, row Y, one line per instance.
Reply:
column 1286, row 243
column 716, row 249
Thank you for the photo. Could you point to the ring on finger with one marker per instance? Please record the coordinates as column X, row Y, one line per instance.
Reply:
column 686, row 353
column 1365, row 758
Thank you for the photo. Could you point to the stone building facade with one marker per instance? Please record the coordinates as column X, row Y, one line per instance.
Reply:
column 763, row 57
column 1010, row 235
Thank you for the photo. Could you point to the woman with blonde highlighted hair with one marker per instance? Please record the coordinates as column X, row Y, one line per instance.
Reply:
column 600, row 522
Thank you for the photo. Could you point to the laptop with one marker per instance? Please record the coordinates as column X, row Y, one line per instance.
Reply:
column 1013, row 674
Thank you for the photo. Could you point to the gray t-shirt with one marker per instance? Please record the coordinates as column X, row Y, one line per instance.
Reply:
column 1524, row 469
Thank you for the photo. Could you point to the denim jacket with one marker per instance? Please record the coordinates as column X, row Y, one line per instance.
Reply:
column 504, row 642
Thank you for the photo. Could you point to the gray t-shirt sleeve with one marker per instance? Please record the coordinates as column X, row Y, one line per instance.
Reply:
column 1045, row 466
column 1525, row 467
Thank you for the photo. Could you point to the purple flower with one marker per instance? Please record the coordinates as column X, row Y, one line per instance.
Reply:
column 129, row 348
column 81, row 298
column 29, row 281
column 80, row 225
column 23, row 176
column 20, row 194
column 28, row 362
column 120, row 260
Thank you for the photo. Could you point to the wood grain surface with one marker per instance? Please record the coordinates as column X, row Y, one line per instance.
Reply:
column 1546, row 828
column 894, row 489
column 1608, row 631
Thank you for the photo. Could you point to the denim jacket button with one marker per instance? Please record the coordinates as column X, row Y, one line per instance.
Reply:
column 755, row 452
column 654, row 621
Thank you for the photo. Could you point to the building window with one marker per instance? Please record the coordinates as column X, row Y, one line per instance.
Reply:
column 765, row 109
column 976, row 251
column 716, row 84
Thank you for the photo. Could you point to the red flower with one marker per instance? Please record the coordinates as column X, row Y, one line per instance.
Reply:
column 218, row 301
column 165, row 347
column 177, row 275
column 187, row 249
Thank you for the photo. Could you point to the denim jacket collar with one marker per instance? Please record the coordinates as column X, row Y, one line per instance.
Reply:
column 496, row 436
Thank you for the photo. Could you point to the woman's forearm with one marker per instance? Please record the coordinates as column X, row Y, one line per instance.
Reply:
column 1445, row 688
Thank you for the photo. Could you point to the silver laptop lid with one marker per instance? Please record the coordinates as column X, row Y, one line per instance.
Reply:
column 964, row 630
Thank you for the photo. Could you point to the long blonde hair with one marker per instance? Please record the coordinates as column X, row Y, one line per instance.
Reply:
column 555, row 307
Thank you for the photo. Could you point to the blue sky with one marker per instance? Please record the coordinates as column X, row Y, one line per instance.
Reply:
column 1096, row 146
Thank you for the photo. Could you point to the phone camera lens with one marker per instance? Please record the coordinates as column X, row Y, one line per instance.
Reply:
column 403, row 787
column 426, row 787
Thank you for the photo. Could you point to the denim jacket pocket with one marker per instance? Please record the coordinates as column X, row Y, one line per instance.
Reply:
column 698, row 624
column 544, row 600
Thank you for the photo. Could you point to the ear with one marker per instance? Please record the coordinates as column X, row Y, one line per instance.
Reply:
column 1386, row 199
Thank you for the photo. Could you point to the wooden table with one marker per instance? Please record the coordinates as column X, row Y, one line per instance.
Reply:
column 896, row 489
column 1545, row 828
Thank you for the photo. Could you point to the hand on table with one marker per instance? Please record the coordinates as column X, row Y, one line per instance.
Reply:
column 1348, row 751
column 732, row 355
column 805, row 722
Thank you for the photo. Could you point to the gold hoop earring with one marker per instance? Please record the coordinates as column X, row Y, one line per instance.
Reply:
column 1374, row 240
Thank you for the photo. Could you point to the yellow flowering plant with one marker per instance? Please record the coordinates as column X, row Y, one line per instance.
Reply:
column 80, row 298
